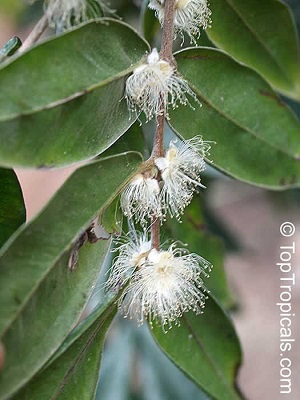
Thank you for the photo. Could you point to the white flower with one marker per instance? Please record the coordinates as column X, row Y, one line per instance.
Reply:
column 140, row 198
column 180, row 172
column 63, row 14
column 190, row 16
column 168, row 284
column 146, row 198
column 132, row 254
column 154, row 83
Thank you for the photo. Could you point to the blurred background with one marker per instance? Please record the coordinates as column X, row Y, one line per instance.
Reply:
column 249, row 221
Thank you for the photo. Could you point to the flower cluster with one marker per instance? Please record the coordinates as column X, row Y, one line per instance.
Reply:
column 146, row 197
column 161, row 284
column 158, row 285
column 155, row 86
column 63, row 14
column 190, row 16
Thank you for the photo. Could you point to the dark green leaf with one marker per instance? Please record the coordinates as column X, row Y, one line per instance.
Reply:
column 256, row 135
column 112, row 218
column 206, row 348
column 193, row 231
column 12, row 208
column 60, row 102
column 132, row 351
column 262, row 35
column 74, row 372
column 40, row 298
column 132, row 140
column 49, row 315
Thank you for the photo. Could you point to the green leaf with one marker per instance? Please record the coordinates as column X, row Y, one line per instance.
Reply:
column 161, row 378
column 169, row 382
column 206, row 348
column 12, row 208
column 73, row 373
column 112, row 218
column 41, row 300
column 257, row 137
column 262, row 35
column 132, row 140
column 49, row 315
column 193, row 231
column 63, row 101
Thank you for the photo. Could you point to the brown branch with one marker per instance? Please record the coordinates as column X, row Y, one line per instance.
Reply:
column 168, row 32
column 158, row 151
column 155, row 234
column 36, row 33
column 158, row 147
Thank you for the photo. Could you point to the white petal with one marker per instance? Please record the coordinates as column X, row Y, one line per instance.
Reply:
column 153, row 57
column 161, row 163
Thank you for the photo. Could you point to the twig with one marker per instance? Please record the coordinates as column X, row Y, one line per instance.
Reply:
column 155, row 234
column 168, row 32
column 158, row 147
column 36, row 33
column 158, row 151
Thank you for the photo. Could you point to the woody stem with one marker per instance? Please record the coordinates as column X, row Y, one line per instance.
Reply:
column 36, row 33
column 168, row 31
column 158, row 148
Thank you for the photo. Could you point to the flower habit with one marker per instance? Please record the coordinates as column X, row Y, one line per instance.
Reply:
column 180, row 172
column 140, row 198
column 166, row 285
column 154, row 86
column 63, row 14
column 190, row 16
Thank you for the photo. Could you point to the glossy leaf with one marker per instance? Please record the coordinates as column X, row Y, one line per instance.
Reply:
column 160, row 377
column 262, row 35
column 12, row 207
column 132, row 140
column 206, row 348
column 192, row 230
column 256, row 135
column 73, row 374
column 112, row 218
column 60, row 102
column 49, row 315
column 40, row 298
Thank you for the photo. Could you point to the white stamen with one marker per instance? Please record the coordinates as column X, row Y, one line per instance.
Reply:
column 155, row 86
column 180, row 172
column 140, row 198
column 190, row 16
column 132, row 255
column 167, row 285
column 63, row 14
